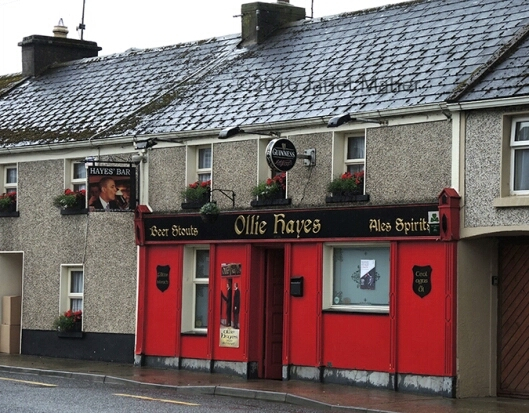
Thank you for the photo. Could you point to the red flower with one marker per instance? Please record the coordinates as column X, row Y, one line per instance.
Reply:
column 194, row 185
column 68, row 191
column 205, row 184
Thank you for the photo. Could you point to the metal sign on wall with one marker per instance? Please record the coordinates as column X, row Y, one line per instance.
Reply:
column 398, row 221
column 281, row 155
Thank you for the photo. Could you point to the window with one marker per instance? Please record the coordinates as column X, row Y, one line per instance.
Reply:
column 78, row 175
column 356, row 277
column 195, row 290
column 72, row 288
column 355, row 154
column 520, row 156
column 204, row 164
column 10, row 178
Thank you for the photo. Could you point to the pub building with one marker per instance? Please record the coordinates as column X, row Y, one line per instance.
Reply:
column 359, row 295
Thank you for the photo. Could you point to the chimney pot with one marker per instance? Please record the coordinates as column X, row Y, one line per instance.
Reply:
column 60, row 30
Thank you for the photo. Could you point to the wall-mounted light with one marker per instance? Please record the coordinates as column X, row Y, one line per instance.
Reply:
column 339, row 120
column 149, row 143
column 229, row 132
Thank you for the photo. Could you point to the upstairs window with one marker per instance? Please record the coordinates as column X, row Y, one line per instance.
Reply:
column 520, row 156
column 204, row 164
column 10, row 179
column 355, row 154
column 72, row 288
column 78, row 176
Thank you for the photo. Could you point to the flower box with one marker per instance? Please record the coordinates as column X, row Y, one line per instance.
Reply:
column 196, row 195
column 270, row 202
column 347, row 197
column 8, row 205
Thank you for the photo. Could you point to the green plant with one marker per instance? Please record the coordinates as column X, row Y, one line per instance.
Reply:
column 210, row 208
column 8, row 200
column 70, row 199
column 270, row 188
column 347, row 182
column 66, row 321
column 197, row 191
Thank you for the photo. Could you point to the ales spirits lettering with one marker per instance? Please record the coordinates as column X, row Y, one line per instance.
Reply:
column 400, row 225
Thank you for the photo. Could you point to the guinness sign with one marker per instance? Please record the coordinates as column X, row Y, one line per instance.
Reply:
column 281, row 155
column 422, row 280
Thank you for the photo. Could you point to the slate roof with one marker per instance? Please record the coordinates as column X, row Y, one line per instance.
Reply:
column 399, row 56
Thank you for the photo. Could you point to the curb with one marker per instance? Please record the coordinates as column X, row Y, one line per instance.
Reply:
column 277, row 397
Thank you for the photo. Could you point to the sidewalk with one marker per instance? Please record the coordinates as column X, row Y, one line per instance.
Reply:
column 309, row 394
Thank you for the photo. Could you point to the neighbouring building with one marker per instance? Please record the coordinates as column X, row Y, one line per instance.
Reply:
column 407, row 273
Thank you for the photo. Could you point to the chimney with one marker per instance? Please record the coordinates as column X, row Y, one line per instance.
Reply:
column 260, row 20
column 39, row 52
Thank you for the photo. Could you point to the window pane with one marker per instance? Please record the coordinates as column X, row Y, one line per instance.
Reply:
column 11, row 175
column 76, row 283
column 201, row 306
column 78, row 187
column 355, row 168
column 10, row 190
column 76, row 304
column 355, row 148
column 204, row 177
column 79, row 171
column 361, row 276
column 522, row 131
column 202, row 264
column 204, row 158
column 521, row 170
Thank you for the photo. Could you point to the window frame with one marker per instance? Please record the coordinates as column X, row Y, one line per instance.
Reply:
column 204, row 171
column 328, row 279
column 9, row 186
column 76, row 184
column 354, row 161
column 65, row 295
column 513, row 147
column 189, row 289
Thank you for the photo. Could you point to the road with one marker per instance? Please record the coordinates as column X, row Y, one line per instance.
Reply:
column 27, row 393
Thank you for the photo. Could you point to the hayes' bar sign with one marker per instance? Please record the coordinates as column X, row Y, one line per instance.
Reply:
column 398, row 221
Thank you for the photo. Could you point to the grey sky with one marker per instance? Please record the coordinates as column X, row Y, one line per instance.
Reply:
column 117, row 25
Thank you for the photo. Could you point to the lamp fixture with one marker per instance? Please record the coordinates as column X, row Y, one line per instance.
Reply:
column 339, row 120
column 146, row 144
column 229, row 132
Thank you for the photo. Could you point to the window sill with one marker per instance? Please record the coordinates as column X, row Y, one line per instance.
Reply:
column 74, row 211
column 195, row 333
column 346, row 198
column 511, row 201
column 193, row 205
column 9, row 214
column 270, row 202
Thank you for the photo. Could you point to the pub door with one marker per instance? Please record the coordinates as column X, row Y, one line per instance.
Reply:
column 513, row 345
column 273, row 314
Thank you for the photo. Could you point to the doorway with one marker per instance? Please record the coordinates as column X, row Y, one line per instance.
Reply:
column 274, row 281
column 513, row 342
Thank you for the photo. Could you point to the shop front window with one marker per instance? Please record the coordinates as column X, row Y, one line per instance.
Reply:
column 356, row 278
column 195, row 290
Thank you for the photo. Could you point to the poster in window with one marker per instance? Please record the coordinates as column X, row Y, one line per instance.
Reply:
column 367, row 275
column 111, row 188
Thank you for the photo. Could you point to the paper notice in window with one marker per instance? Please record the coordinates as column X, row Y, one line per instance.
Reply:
column 367, row 274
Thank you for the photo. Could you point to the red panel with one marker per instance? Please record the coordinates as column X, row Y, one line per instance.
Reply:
column 195, row 347
column 356, row 341
column 305, row 312
column 160, row 312
column 425, row 343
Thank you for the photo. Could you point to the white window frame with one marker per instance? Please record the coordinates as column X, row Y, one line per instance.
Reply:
column 514, row 146
column 354, row 161
column 65, row 287
column 9, row 186
column 328, row 302
column 76, row 184
column 190, row 283
column 204, row 171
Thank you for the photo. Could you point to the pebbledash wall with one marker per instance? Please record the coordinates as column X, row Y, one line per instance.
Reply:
column 409, row 347
column 103, row 243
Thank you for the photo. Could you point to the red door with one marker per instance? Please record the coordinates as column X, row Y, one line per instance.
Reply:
column 273, row 335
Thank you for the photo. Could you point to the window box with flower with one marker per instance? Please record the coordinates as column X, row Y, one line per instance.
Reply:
column 196, row 195
column 348, row 187
column 71, row 202
column 8, row 205
column 271, row 192
column 69, row 324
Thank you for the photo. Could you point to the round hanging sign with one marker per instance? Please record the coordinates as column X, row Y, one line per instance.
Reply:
column 281, row 154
